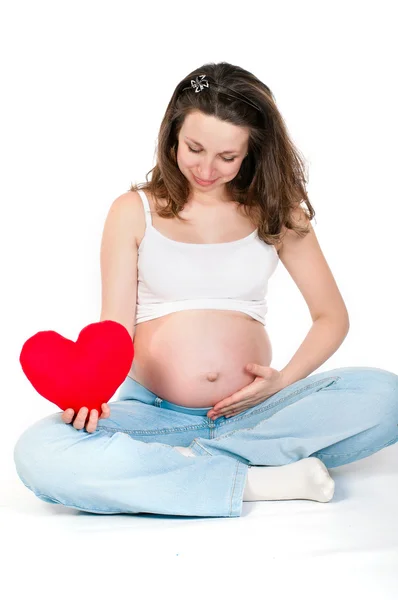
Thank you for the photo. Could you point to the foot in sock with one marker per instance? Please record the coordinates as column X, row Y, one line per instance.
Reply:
column 305, row 479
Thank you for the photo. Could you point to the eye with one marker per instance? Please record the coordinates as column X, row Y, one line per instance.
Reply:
column 197, row 152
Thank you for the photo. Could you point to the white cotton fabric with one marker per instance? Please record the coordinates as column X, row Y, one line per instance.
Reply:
column 175, row 276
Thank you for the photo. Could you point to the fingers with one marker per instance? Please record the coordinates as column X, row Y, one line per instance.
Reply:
column 106, row 411
column 81, row 417
column 222, row 412
column 229, row 410
column 68, row 415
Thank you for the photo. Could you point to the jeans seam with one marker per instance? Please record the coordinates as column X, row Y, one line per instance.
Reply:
column 43, row 496
column 373, row 450
column 93, row 510
column 269, row 406
column 233, row 489
column 221, row 437
column 152, row 431
column 205, row 425
column 195, row 441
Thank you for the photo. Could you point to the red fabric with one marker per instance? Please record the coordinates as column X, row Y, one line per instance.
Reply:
column 83, row 373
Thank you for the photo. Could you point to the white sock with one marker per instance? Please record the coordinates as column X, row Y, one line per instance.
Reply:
column 305, row 479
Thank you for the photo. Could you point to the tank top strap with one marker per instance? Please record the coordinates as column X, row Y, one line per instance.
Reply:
column 147, row 208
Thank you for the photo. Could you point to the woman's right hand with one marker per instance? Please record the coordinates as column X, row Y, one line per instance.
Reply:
column 80, row 420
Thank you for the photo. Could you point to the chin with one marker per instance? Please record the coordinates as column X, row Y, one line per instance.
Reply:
column 220, row 181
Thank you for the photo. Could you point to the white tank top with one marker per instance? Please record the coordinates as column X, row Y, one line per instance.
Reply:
column 175, row 276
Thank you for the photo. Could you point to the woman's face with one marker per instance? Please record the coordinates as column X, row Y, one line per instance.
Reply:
column 211, row 150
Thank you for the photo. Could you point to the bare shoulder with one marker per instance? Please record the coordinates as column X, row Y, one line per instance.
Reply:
column 130, row 211
column 299, row 217
column 128, row 203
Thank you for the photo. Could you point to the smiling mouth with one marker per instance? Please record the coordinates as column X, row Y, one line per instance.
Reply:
column 204, row 181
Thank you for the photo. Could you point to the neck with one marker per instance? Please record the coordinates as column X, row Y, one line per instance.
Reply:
column 214, row 199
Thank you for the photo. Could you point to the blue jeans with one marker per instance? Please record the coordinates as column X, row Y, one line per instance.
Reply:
column 129, row 465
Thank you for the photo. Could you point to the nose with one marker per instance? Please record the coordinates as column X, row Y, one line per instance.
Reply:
column 205, row 170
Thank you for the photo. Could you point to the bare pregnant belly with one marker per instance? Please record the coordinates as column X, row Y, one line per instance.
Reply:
column 198, row 357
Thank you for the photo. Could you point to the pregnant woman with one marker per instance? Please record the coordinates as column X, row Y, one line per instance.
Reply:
column 202, row 421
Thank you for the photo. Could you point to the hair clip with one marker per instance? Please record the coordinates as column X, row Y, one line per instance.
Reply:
column 199, row 84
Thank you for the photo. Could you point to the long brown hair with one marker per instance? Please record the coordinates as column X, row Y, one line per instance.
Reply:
column 271, row 181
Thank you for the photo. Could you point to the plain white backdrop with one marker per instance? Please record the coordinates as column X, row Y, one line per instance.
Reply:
column 84, row 88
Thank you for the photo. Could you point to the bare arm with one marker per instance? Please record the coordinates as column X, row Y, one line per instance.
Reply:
column 118, row 258
column 307, row 265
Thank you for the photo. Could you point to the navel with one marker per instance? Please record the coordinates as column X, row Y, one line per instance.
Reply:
column 212, row 376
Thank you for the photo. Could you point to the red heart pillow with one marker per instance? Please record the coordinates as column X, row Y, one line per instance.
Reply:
column 82, row 373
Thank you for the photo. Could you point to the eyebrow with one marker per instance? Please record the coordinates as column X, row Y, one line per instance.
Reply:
column 225, row 151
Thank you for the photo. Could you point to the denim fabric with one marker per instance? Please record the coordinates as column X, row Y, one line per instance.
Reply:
column 129, row 465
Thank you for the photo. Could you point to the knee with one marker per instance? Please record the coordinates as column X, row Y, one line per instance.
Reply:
column 375, row 387
column 34, row 450
column 383, row 387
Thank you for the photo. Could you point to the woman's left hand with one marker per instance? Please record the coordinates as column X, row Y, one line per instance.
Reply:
column 269, row 381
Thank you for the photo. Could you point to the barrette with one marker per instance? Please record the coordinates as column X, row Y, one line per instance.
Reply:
column 200, row 83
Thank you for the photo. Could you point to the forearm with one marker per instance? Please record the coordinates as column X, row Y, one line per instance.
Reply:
column 323, row 339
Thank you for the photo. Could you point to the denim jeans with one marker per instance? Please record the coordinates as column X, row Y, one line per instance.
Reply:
column 129, row 465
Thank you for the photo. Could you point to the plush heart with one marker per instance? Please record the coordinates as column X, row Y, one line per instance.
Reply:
column 83, row 373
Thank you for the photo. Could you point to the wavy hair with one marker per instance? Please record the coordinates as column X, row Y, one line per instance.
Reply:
column 270, row 184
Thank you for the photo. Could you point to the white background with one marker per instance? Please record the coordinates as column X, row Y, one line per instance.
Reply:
column 84, row 88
